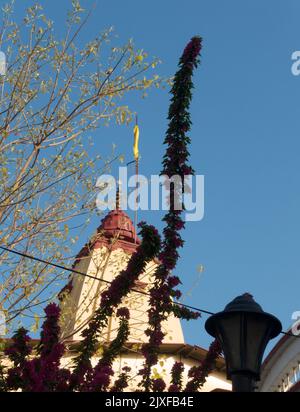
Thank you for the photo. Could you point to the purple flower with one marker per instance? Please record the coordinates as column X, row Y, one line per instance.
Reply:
column 173, row 281
column 123, row 313
column 52, row 310
column 173, row 388
column 126, row 369
column 158, row 385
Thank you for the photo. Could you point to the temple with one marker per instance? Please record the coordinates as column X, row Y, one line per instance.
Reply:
column 101, row 260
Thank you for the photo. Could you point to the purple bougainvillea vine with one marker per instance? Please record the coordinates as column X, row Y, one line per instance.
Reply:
column 176, row 377
column 198, row 374
column 17, row 353
column 43, row 372
column 100, row 378
column 122, row 382
column 175, row 162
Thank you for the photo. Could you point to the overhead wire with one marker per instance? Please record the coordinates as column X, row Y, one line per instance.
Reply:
column 72, row 270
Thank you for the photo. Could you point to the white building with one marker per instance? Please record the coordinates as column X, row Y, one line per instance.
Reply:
column 281, row 368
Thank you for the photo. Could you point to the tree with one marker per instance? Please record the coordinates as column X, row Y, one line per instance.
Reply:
column 56, row 93
column 43, row 372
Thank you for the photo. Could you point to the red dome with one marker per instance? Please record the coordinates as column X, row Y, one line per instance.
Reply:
column 119, row 225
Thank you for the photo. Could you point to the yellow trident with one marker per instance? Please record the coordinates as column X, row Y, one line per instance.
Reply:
column 136, row 134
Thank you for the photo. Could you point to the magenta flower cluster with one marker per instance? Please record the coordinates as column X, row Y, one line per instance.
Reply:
column 42, row 373
column 174, row 163
column 198, row 374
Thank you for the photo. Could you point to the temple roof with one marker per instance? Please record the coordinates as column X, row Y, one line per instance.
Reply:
column 117, row 224
column 116, row 231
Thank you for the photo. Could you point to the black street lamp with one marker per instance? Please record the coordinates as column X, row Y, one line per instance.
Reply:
column 243, row 330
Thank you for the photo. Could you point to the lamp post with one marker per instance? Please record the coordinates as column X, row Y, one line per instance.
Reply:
column 243, row 330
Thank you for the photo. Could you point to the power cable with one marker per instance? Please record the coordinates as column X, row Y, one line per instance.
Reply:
column 207, row 312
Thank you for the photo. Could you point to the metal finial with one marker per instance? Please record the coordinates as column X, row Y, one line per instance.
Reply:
column 118, row 197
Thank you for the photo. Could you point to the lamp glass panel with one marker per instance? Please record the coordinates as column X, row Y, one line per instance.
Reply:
column 257, row 336
column 229, row 334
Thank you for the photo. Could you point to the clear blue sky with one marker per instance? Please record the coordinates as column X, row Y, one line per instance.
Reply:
column 245, row 140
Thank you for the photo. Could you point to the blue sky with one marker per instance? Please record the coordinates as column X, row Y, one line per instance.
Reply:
column 245, row 140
